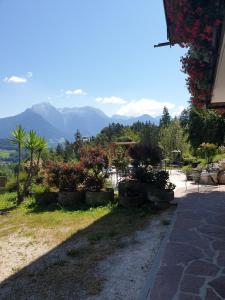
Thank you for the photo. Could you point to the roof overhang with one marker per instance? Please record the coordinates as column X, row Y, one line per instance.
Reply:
column 217, row 99
column 218, row 87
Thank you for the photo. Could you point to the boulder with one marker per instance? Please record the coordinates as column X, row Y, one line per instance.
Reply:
column 209, row 178
column 221, row 177
column 222, row 165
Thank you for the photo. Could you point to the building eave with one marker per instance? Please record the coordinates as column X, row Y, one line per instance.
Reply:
column 217, row 98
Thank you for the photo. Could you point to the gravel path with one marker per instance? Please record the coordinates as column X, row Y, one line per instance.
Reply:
column 127, row 269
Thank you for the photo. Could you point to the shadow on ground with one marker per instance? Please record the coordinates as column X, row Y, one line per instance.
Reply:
column 193, row 261
column 68, row 270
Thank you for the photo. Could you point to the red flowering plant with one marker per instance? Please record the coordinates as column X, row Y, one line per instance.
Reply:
column 193, row 21
column 65, row 176
column 196, row 24
column 197, row 64
column 95, row 162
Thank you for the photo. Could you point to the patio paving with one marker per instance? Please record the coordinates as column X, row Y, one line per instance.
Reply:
column 191, row 265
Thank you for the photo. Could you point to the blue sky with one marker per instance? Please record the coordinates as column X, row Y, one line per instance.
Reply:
column 88, row 52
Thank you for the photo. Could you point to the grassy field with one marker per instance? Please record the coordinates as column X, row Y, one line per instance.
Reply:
column 81, row 238
column 6, row 153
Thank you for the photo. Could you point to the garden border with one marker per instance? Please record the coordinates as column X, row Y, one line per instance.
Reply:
column 149, row 283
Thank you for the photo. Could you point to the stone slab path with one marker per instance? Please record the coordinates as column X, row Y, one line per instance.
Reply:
column 192, row 264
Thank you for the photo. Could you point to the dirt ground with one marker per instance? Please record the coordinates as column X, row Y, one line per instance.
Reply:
column 122, row 274
column 127, row 269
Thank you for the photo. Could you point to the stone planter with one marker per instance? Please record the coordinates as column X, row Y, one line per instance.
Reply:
column 71, row 199
column 132, row 194
column 160, row 198
column 3, row 181
column 129, row 202
column 99, row 198
column 221, row 177
column 132, row 188
column 46, row 198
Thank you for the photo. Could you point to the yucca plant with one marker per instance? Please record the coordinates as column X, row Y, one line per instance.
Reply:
column 42, row 145
column 18, row 138
column 32, row 145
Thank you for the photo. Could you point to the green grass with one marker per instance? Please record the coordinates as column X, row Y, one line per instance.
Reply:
column 7, row 200
column 219, row 157
column 92, row 235
column 6, row 153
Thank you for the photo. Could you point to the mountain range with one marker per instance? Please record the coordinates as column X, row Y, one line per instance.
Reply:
column 54, row 124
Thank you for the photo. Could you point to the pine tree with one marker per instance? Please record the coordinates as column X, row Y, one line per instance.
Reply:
column 165, row 119
column 77, row 143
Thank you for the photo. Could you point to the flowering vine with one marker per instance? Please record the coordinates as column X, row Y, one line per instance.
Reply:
column 196, row 25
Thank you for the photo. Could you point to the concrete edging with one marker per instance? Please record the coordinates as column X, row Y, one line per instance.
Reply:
column 156, row 263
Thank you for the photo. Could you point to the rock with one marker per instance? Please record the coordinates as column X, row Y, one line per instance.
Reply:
column 209, row 178
column 221, row 177
column 222, row 165
column 214, row 167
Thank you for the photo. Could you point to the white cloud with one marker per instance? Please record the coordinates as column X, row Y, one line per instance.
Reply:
column 15, row 79
column 18, row 79
column 75, row 92
column 111, row 100
column 178, row 111
column 139, row 107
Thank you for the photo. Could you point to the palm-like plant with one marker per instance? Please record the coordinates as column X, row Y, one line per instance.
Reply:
column 42, row 145
column 18, row 138
column 32, row 144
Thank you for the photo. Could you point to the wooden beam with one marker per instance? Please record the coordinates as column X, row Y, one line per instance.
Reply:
column 163, row 44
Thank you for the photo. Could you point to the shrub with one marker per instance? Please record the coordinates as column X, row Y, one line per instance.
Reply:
column 93, row 183
column 38, row 188
column 11, row 185
column 95, row 162
column 95, row 159
column 65, row 176
column 207, row 151
column 157, row 179
column 145, row 155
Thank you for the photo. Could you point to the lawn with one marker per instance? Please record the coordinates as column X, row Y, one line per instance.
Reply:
column 65, row 244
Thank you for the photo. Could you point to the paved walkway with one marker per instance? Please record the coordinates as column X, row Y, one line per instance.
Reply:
column 192, row 263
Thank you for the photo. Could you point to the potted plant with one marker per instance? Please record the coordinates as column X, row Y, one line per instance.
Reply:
column 68, row 178
column 95, row 163
column 147, row 184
